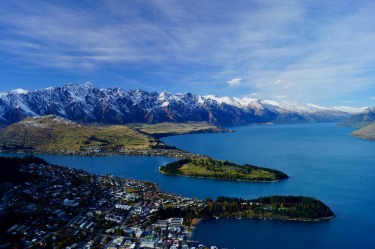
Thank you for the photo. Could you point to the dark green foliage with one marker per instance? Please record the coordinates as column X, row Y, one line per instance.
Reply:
column 164, row 147
column 280, row 207
column 173, row 168
column 9, row 167
column 219, row 168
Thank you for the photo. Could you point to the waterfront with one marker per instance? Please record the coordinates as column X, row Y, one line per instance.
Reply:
column 322, row 160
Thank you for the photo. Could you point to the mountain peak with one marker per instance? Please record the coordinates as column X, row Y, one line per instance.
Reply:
column 19, row 91
column 84, row 103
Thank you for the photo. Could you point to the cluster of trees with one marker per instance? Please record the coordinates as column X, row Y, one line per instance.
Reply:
column 280, row 207
column 174, row 167
column 277, row 207
column 189, row 214
column 10, row 168
column 164, row 147
column 223, row 170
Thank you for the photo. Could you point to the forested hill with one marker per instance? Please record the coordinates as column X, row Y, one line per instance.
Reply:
column 219, row 169
column 278, row 207
column 9, row 167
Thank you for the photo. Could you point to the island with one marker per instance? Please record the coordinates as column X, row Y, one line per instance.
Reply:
column 207, row 167
column 49, row 206
column 299, row 208
column 56, row 135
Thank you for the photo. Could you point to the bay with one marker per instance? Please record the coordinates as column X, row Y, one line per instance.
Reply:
column 322, row 160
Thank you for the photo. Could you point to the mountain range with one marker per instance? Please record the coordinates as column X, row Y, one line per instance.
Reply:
column 85, row 103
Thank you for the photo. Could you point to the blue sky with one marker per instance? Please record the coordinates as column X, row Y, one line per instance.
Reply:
column 313, row 51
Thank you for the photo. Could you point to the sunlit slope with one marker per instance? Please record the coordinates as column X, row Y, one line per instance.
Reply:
column 169, row 128
column 367, row 132
column 52, row 133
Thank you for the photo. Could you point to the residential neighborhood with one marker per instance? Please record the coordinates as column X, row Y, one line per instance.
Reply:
column 61, row 207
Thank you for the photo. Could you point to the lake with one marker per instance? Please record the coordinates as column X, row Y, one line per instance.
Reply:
column 322, row 160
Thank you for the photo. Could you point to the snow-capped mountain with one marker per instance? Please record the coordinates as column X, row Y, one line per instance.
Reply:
column 360, row 120
column 85, row 103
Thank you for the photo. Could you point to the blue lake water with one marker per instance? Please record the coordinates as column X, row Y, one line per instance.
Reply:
column 321, row 159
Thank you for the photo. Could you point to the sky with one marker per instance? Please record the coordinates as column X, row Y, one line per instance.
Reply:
column 307, row 51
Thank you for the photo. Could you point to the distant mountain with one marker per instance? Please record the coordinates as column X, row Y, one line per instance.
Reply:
column 367, row 132
column 360, row 120
column 84, row 103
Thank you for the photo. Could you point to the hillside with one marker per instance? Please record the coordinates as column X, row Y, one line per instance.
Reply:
column 52, row 134
column 367, row 132
column 168, row 128
column 360, row 120
column 218, row 169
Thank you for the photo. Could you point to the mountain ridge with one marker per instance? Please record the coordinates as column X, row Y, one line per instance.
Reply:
column 360, row 120
column 85, row 103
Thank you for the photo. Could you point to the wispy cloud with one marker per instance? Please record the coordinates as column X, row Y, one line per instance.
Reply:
column 373, row 98
column 308, row 51
column 234, row 82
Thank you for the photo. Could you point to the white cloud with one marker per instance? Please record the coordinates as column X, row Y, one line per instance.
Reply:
column 282, row 97
column 234, row 82
column 278, row 47
column 373, row 98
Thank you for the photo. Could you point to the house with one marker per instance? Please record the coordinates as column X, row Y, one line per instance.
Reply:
column 176, row 222
column 70, row 203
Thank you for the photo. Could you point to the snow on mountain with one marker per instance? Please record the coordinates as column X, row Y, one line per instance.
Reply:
column 287, row 106
column 220, row 100
column 237, row 102
column 348, row 109
column 19, row 91
column 361, row 119
column 85, row 103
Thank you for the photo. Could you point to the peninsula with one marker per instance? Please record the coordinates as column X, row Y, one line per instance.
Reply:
column 56, row 135
column 219, row 169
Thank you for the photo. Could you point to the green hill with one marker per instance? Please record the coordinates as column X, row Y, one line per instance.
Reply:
column 218, row 169
column 168, row 128
column 52, row 134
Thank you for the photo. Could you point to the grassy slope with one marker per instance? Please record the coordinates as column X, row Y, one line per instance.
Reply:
column 211, row 168
column 45, row 133
column 367, row 132
column 167, row 128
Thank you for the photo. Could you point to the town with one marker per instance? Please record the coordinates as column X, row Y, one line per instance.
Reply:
column 61, row 207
